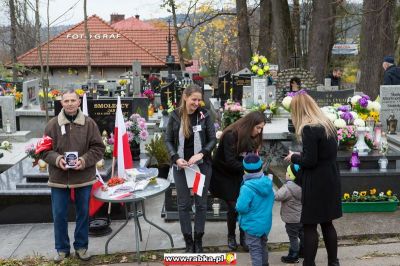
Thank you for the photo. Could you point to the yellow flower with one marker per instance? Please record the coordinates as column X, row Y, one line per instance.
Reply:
column 363, row 193
column 80, row 92
column 372, row 191
column 389, row 193
column 255, row 58
column 260, row 72
column 264, row 60
column 254, row 68
column 363, row 116
column 346, row 196
column 202, row 103
column 266, row 68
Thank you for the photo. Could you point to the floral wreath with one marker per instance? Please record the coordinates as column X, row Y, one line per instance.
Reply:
column 259, row 65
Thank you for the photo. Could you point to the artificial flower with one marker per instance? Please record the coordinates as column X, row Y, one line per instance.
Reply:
column 363, row 193
column 286, row 102
column 346, row 196
column 372, row 191
column 389, row 193
column 339, row 123
column 359, row 122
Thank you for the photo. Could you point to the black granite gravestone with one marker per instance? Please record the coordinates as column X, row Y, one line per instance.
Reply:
column 237, row 85
column 167, row 94
column 102, row 111
column 327, row 98
column 224, row 86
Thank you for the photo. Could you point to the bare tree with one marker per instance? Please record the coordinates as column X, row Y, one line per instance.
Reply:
column 265, row 31
column 87, row 35
column 377, row 40
column 296, row 26
column 283, row 32
column 244, row 41
column 13, row 39
column 321, row 37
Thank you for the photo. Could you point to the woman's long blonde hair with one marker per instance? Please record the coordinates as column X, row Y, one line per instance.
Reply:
column 182, row 108
column 305, row 111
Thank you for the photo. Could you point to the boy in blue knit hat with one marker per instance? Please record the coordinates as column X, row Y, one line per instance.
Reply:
column 290, row 196
column 254, row 206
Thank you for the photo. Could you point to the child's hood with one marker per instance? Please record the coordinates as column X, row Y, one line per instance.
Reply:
column 261, row 186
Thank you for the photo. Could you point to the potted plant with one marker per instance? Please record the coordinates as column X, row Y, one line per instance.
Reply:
column 157, row 150
column 369, row 201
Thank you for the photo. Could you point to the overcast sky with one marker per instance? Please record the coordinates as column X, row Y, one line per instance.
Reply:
column 147, row 9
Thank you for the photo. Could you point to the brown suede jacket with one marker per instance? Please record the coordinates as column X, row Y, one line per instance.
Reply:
column 82, row 136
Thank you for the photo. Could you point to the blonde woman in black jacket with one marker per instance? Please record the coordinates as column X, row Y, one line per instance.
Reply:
column 190, row 138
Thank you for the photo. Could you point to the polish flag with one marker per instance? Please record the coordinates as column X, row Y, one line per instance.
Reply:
column 121, row 142
column 84, row 105
column 195, row 179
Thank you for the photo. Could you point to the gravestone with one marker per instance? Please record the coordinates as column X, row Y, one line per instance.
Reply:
column 102, row 111
column 30, row 91
column 224, row 86
column 248, row 98
column 327, row 86
column 167, row 94
column 7, row 106
column 270, row 94
column 101, row 91
column 240, row 79
column 327, row 98
column 136, row 75
column 259, row 86
column 390, row 103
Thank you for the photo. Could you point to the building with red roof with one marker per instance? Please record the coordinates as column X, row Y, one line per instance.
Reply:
column 114, row 47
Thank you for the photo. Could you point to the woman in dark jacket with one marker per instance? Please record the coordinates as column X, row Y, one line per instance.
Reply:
column 190, row 138
column 318, row 177
column 238, row 139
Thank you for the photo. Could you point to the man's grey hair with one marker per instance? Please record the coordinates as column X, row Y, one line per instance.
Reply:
column 69, row 91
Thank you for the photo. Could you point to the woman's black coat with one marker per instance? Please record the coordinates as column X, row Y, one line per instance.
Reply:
column 227, row 172
column 207, row 134
column 319, row 177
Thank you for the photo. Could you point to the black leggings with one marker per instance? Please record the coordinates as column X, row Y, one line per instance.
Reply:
column 231, row 217
column 311, row 242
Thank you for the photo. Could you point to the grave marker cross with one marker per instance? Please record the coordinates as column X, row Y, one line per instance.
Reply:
column 224, row 82
column 295, row 58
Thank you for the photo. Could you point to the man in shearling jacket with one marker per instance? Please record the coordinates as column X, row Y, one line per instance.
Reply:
column 72, row 131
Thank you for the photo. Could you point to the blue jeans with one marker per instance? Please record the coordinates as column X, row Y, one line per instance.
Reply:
column 258, row 249
column 60, row 198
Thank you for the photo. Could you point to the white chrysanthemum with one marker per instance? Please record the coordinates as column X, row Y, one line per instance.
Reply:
column 340, row 113
column 328, row 109
column 374, row 106
column 286, row 102
column 332, row 117
column 359, row 122
column 354, row 114
column 5, row 143
column 355, row 99
column 339, row 123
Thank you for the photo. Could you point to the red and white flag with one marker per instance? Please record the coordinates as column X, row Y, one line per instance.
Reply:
column 121, row 142
column 84, row 105
column 195, row 179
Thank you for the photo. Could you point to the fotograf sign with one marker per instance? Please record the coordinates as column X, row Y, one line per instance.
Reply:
column 97, row 36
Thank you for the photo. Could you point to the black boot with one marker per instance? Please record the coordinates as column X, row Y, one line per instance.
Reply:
column 198, row 242
column 292, row 257
column 242, row 241
column 334, row 263
column 189, row 243
column 232, row 245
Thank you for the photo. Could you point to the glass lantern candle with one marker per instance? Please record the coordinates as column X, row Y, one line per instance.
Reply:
column 377, row 135
column 370, row 124
column 361, row 146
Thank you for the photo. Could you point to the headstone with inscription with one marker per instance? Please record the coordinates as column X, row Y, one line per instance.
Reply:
column 224, row 86
column 30, row 91
column 327, row 98
column 390, row 103
column 102, row 111
column 327, row 86
column 240, row 79
column 259, row 86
